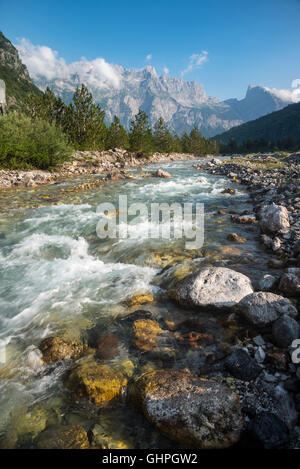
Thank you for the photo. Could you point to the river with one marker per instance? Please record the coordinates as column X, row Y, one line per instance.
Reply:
column 58, row 278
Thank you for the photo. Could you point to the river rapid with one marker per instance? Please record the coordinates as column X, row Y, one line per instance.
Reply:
column 59, row 279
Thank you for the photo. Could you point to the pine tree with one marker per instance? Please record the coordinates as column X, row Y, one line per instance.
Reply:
column 176, row 144
column 185, row 143
column 140, row 135
column 197, row 142
column 85, row 121
column 162, row 138
column 116, row 135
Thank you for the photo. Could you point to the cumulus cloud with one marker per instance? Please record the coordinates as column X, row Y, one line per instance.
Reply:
column 292, row 95
column 148, row 57
column 42, row 61
column 195, row 61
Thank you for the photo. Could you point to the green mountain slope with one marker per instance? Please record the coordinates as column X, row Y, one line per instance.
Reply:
column 15, row 74
column 279, row 125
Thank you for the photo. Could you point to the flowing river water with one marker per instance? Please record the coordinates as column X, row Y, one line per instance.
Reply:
column 59, row 279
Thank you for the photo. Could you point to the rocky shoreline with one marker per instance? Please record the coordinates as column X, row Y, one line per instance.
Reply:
column 87, row 162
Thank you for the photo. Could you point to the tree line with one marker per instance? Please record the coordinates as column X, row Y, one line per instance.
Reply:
column 261, row 145
column 83, row 122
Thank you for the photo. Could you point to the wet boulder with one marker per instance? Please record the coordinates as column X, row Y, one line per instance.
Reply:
column 267, row 431
column 55, row 349
column 190, row 410
column 262, row 308
column 242, row 366
column 285, row 330
column 162, row 174
column 215, row 287
column 274, row 219
column 290, row 282
column 65, row 437
column 99, row 383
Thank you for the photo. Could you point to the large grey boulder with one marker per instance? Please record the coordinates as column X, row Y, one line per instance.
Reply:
column 274, row 219
column 188, row 409
column 290, row 282
column 262, row 308
column 216, row 287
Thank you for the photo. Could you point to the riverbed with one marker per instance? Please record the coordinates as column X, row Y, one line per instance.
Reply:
column 58, row 278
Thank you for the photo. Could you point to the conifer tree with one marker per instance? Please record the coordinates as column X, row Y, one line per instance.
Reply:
column 162, row 138
column 116, row 135
column 85, row 120
column 140, row 135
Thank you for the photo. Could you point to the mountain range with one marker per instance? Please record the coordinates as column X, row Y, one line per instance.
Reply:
column 181, row 103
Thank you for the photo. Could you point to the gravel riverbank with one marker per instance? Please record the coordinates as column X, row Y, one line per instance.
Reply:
column 87, row 162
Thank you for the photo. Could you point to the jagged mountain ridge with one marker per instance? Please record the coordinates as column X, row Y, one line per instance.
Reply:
column 182, row 104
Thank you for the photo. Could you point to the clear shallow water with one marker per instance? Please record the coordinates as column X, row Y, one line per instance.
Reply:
column 59, row 278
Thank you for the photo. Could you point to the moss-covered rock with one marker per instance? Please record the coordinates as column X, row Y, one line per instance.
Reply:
column 99, row 383
column 55, row 349
column 146, row 334
column 66, row 437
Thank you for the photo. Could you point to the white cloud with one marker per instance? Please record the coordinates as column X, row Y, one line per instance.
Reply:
column 292, row 95
column 166, row 71
column 148, row 57
column 42, row 61
column 195, row 61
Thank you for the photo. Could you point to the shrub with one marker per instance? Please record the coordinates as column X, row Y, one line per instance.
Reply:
column 26, row 144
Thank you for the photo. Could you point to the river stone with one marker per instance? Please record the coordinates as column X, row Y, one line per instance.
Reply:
column 267, row 282
column 55, row 349
column 216, row 287
column 262, row 308
column 290, row 282
column 99, row 383
column 268, row 431
column 67, row 437
column 189, row 409
column 274, row 219
column 285, row 330
column 162, row 174
column 242, row 366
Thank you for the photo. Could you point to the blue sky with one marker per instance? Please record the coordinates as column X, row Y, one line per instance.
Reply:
column 232, row 43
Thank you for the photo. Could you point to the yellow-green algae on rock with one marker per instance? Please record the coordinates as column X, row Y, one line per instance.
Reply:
column 96, row 382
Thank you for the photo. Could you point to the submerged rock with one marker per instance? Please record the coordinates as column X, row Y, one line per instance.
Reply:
column 216, row 287
column 274, row 219
column 99, row 383
column 108, row 347
column 188, row 409
column 55, row 349
column 139, row 299
column 66, row 437
column 290, row 282
column 236, row 238
column 262, row 308
column 146, row 333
